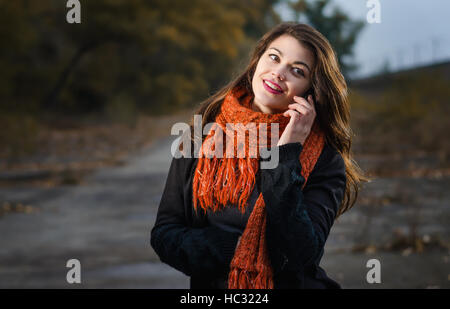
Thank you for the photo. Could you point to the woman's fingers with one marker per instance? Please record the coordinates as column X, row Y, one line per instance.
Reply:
column 292, row 113
column 308, row 101
column 311, row 101
column 302, row 114
column 302, row 105
column 299, row 108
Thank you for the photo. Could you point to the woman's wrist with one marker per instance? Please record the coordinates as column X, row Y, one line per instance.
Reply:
column 285, row 141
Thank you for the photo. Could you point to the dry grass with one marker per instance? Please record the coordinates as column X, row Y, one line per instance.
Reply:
column 402, row 131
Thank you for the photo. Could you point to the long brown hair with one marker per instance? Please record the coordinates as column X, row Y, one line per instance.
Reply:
column 330, row 90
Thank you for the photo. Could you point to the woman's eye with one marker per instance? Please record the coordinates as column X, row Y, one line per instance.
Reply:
column 299, row 71
column 273, row 57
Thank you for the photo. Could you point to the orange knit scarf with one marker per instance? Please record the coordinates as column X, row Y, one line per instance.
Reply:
column 230, row 180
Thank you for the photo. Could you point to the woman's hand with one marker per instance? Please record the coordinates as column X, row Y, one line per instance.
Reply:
column 302, row 115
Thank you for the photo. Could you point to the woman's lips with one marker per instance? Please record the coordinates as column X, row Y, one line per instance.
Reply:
column 270, row 89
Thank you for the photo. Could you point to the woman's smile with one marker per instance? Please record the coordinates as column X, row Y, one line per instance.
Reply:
column 272, row 87
column 282, row 72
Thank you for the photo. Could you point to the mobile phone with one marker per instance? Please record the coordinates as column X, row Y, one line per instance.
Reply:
column 309, row 92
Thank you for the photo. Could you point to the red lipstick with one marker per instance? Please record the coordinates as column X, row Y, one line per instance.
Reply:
column 271, row 90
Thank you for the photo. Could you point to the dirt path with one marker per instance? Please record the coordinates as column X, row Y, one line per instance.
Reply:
column 105, row 223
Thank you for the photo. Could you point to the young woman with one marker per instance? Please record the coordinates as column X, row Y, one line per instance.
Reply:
column 228, row 223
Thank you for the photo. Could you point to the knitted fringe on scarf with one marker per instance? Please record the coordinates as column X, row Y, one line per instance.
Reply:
column 219, row 182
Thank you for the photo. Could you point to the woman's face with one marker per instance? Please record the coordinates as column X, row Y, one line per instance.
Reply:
column 286, row 66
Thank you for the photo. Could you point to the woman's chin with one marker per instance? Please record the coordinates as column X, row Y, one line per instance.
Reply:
column 276, row 107
column 272, row 109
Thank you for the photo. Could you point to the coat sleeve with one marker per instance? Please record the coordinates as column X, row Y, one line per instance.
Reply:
column 298, row 222
column 206, row 250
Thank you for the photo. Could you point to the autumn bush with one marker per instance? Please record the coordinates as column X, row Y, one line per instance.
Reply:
column 411, row 115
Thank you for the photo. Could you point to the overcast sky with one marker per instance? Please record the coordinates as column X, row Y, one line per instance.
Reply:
column 406, row 35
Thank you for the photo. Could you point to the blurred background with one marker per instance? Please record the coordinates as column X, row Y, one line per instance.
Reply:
column 86, row 111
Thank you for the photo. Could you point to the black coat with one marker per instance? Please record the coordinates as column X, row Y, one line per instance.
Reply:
column 298, row 222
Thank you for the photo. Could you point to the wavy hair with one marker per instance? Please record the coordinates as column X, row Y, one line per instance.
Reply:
column 330, row 91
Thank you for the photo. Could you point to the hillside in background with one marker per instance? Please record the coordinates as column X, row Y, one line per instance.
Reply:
column 404, row 113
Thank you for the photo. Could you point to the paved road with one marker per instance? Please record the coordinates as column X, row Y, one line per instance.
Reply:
column 105, row 223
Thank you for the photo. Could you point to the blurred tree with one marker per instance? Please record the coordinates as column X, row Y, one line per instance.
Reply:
column 336, row 26
column 260, row 15
column 160, row 55
column 151, row 48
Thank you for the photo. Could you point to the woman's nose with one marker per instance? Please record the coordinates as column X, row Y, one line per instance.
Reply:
column 278, row 74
